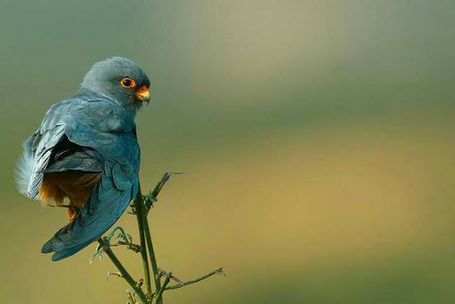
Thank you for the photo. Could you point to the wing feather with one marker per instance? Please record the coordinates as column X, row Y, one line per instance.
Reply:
column 108, row 130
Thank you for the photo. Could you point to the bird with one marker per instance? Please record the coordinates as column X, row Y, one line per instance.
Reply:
column 85, row 155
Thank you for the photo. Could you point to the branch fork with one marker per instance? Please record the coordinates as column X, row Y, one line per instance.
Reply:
column 141, row 207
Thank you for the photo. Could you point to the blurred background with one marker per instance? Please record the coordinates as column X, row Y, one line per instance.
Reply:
column 317, row 138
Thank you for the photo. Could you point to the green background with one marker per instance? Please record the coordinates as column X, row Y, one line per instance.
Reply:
column 317, row 138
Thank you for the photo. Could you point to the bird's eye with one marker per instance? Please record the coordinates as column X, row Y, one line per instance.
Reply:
column 128, row 83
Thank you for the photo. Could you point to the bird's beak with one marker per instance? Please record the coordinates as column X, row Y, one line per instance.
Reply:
column 143, row 94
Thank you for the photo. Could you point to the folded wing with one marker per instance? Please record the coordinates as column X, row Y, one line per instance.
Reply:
column 107, row 135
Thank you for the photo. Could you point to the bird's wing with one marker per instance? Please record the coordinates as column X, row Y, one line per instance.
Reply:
column 114, row 138
column 41, row 148
column 67, row 156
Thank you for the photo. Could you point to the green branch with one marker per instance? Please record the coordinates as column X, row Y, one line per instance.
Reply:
column 148, row 238
column 160, row 293
column 104, row 243
column 145, row 263
column 141, row 207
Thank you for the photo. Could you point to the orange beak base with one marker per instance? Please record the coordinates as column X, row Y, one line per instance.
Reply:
column 143, row 94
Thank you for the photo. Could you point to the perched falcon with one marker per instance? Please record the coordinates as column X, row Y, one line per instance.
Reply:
column 85, row 155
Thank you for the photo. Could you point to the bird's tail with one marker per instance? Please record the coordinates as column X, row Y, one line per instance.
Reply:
column 103, row 208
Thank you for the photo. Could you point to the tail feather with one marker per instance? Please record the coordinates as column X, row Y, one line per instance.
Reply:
column 97, row 216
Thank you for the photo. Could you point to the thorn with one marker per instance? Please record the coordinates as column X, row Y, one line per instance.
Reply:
column 113, row 274
column 140, row 283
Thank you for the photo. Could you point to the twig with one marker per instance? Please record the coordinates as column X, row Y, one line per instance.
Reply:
column 127, row 240
column 131, row 299
column 104, row 243
column 163, row 288
column 131, row 246
column 122, row 234
column 151, row 197
column 181, row 283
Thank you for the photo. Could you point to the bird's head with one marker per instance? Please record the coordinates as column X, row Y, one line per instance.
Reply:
column 121, row 80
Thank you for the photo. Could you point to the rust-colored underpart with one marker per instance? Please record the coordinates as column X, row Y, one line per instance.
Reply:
column 74, row 185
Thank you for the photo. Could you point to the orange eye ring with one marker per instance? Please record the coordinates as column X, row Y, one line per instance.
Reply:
column 127, row 83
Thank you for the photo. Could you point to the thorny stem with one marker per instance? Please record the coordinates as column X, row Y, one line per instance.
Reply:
column 104, row 243
column 145, row 263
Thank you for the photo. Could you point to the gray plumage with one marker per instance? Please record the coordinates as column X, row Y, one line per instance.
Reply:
column 94, row 132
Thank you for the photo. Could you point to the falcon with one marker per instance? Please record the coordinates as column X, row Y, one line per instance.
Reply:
column 85, row 155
